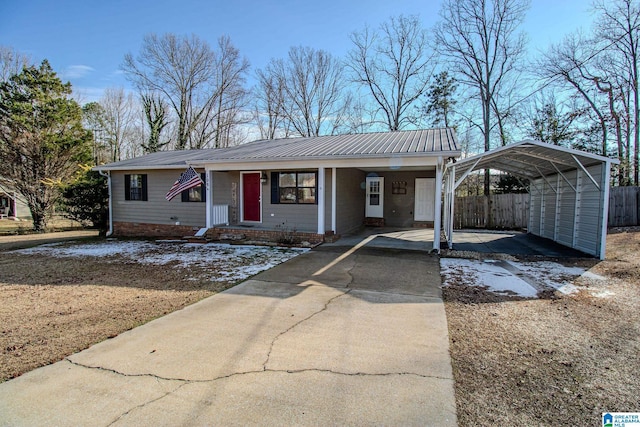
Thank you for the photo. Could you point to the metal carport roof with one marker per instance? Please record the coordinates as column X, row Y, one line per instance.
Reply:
column 554, row 172
column 529, row 159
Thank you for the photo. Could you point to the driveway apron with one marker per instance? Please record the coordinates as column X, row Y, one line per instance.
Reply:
column 337, row 336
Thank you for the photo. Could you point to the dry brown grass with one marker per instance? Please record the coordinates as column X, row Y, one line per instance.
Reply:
column 53, row 307
column 562, row 360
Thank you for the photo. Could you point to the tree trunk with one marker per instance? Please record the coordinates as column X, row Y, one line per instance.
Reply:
column 39, row 217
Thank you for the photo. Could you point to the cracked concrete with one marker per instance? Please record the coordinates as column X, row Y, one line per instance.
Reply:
column 362, row 342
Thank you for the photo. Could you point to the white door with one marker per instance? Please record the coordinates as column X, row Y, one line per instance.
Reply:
column 424, row 209
column 375, row 197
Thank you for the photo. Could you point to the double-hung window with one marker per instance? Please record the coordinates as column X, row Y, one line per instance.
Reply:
column 293, row 187
column 135, row 187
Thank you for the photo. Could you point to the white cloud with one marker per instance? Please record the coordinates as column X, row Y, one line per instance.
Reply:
column 76, row 71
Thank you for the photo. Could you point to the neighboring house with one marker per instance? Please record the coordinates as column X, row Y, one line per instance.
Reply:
column 12, row 205
column 315, row 187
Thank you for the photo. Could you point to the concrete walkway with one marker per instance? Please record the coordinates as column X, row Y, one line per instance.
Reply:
column 341, row 335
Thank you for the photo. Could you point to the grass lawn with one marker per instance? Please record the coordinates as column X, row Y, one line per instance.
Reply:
column 61, row 298
column 9, row 226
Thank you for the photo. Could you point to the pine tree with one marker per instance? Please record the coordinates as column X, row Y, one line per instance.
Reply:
column 41, row 137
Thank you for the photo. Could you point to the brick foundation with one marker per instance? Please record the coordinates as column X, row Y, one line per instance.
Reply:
column 374, row 222
column 134, row 229
column 423, row 224
column 261, row 235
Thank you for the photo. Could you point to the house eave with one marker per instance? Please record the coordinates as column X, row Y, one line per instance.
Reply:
column 393, row 161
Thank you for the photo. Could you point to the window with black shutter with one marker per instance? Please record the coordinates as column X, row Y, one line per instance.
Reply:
column 135, row 187
column 293, row 187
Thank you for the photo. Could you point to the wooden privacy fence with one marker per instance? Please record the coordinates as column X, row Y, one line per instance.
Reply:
column 511, row 211
column 502, row 211
column 624, row 203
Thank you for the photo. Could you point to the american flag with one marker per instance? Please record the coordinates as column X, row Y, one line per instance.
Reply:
column 188, row 179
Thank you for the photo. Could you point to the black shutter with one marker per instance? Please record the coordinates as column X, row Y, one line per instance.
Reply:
column 185, row 195
column 127, row 187
column 144, row 188
column 275, row 196
column 203, row 192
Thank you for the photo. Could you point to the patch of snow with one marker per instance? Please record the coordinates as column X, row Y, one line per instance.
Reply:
column 219, row 262
column 485, row 274
column 551, row 274
column 568, row 289
column 592, row 276
column 98, row 249
column 602, row 293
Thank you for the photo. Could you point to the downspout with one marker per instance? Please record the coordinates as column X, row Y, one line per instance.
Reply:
column 108, row 175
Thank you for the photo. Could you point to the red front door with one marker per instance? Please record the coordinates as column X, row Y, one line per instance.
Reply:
column 251, row 196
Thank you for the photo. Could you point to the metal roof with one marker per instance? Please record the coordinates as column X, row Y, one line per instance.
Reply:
column 529, row 159
column 416, row 143
column 176, row 159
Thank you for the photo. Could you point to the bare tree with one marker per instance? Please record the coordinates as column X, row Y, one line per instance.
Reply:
column 205, row 88
column 481, row 39
column 117, row 109
column 565, row 63
column 225, row 109
column 231, row 71
column 360, row 116
column 269, row 111
column 305, row 92
column 618, row 24
column 180, row 68
column 593, row 73
column 393, row 64
column 11, row 62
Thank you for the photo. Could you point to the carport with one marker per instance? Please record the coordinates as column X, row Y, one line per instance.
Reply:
column 568, row 191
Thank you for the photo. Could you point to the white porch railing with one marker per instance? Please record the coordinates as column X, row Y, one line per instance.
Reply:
column 220, row 215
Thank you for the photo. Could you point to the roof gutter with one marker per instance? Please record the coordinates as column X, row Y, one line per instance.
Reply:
column 108, row 175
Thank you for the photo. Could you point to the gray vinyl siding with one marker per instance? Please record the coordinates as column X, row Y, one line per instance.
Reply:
column 156, row 210
column 298, row 217
column 350, row 196
column 399, row 208
column 223, row 186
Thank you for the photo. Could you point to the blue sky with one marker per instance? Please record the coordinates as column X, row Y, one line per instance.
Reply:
column 85, row 40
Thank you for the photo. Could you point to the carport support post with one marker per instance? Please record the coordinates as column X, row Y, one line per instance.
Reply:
column 321, row 199
column 604, row 194
column 209, row 198
column 437, row 220
column 334, row 199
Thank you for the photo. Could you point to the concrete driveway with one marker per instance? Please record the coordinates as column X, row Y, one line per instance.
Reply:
column 342, row 335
